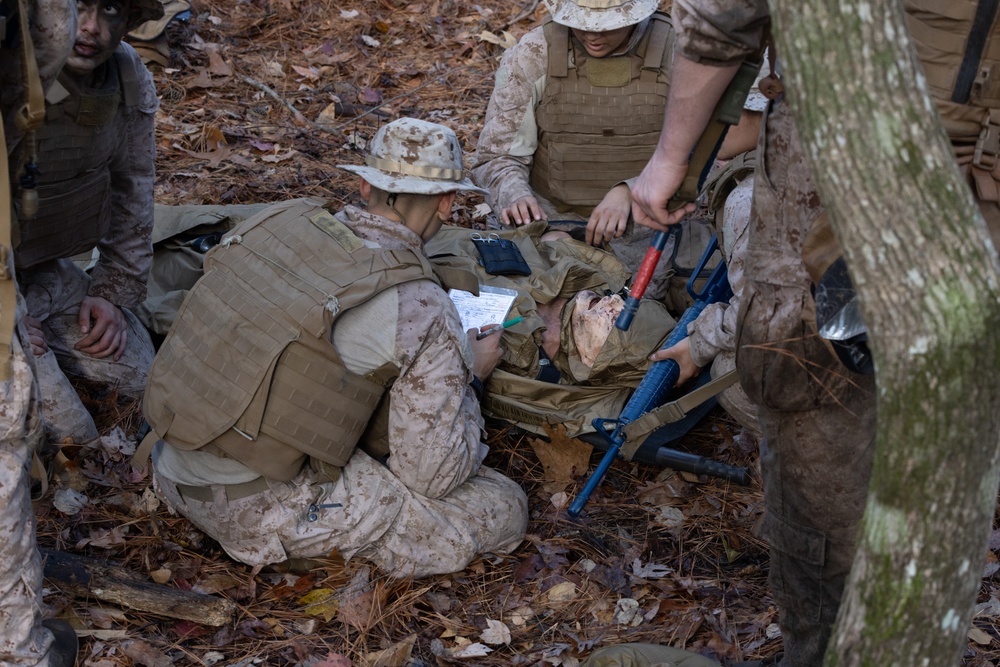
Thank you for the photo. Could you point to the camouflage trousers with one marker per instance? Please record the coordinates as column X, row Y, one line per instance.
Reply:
column 818, row 419
column 370, row 514
column 53, row 292
column 23, row 641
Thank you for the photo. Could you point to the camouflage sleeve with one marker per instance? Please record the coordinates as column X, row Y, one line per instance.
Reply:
column 434, row 422
column 715, row 329
column 713, row 332
column 127, row 249
column 719, row 32
column 510, row 135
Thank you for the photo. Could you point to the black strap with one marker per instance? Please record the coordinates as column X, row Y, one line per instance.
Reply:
column 986, row 13
column 477, row 387
column 547, row 371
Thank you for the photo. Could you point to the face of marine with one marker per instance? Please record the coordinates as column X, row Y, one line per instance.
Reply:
column 593, row 318
column 600, row 44
column 100, row 28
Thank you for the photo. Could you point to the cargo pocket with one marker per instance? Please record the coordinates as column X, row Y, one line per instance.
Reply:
column 782, row 362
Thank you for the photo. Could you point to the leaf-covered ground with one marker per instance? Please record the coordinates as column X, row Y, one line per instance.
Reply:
column 258, row 103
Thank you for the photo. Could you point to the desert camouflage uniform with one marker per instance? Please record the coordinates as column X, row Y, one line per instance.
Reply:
column 433, row 506
column 818, row 419
column 53, row 289
column 712, row 336
column 23, row 641
column 509, row 139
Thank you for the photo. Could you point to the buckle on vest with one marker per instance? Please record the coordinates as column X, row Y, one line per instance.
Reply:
column 988, row 145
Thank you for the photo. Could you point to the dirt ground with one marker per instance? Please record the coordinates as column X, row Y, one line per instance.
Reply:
column 259, row 100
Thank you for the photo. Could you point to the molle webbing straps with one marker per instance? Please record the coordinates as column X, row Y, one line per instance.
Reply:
column 557, row 38
column 128, row 75
column 660, row 41
column 986, row 13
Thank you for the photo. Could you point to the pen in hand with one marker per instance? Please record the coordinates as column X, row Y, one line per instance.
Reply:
column 499, row 327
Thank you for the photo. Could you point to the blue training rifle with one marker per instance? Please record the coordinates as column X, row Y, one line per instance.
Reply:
column 656, row 383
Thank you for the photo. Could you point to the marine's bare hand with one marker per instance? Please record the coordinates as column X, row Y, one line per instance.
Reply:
column 523, row 211
column 658, row 182
column 486, row 352
column 36, row 337
column 610, row 217
column 104, row 325
column 681, row 353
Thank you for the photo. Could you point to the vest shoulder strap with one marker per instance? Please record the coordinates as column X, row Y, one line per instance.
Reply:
column 660, row 43
column 128, row 76
column 557, row 40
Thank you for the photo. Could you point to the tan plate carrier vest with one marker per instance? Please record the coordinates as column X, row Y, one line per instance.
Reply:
column 75, row 151
column 600, row 118
column 249, row 370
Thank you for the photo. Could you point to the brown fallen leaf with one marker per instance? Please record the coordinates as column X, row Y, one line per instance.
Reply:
column 333, row 660
column 359, row 599
column 161, row 576
column 216, row 65
column 145, row 654
column 216, row 583
column 205, row 80
column 563, row 458
column 397, row 655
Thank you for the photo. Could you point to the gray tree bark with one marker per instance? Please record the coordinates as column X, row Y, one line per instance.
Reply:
column 927, row 277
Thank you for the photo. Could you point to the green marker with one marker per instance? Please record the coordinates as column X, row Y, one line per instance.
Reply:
column 500, row 327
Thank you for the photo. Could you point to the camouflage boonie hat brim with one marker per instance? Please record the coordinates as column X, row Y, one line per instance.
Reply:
column 140, row 11
column 415, row 157
column 600, row 15
column 153, row 28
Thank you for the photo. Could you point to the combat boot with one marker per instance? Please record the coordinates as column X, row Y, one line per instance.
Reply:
column 65, row 644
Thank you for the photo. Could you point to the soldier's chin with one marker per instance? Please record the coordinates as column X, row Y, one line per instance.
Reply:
column 79, row 65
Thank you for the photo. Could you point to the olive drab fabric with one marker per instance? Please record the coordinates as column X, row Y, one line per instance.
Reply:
column 181, row 237
column 76, row 155
column 248, row 370
column 600, row 118
column 560, row 269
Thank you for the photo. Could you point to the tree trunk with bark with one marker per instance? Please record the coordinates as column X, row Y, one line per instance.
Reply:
column 928, row 281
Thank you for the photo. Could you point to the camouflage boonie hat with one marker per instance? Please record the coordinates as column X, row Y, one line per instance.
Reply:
column 600, row 15
column 416, row 157
column 140, row 11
